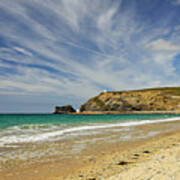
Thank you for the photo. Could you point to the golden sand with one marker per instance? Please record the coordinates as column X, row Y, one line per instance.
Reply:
column 155, row 158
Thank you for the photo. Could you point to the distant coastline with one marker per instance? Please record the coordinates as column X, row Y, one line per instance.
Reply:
column 146, row 101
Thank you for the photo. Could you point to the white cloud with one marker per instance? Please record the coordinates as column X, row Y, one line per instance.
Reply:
column 87, row 45
column 23, row 51
column 105, row 19
column 163, row 53
column 163, row 45
column 6, row 84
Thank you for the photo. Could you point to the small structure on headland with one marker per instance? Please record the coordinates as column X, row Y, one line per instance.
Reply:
column 156, row 100
column 165, row 99
column 64, row 109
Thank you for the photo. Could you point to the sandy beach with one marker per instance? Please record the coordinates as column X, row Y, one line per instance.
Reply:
column 153, row 157
column 158, row 159
column 161, row 165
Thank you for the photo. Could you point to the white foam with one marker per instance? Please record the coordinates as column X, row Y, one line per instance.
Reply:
column 5, row 140
column 143, row 122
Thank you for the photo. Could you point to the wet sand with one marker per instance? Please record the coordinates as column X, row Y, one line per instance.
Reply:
column 145, row 155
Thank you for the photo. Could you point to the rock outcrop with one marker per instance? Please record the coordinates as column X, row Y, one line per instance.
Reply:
column 160, row 99
column 64, row 109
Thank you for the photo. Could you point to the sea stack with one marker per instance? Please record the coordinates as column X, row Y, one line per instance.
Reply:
column 64, row 109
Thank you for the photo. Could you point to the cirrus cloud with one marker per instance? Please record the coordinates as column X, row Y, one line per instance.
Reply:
column 77, row 48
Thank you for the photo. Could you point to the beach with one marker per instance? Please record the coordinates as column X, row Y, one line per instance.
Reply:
column 158, row 158
column 128, row 151
column 162, row 163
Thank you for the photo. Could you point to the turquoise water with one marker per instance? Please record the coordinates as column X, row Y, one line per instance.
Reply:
column 9, row 120
column 31, row 128
column 32, row 136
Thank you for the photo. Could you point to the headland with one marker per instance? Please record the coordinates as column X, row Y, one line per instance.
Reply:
column 158, row 100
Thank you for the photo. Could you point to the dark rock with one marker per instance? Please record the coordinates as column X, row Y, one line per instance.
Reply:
column 122, row 163
column 136, row 155
column 64, row 109
column 146, row 152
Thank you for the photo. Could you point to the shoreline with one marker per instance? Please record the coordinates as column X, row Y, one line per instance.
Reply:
column 102, row 160
column 96, row 113
column 122, row 112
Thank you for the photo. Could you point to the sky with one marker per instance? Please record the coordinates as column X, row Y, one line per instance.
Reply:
column 59, row 52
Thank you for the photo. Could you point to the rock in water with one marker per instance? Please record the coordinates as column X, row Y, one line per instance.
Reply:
column 64, row 109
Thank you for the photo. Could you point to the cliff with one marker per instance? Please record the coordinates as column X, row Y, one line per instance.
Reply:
column 159, row 99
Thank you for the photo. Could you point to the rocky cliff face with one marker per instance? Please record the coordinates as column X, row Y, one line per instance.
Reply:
column 64, row 109
column 161, row 99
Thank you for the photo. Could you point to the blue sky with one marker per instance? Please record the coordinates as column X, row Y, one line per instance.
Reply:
column 57, row 52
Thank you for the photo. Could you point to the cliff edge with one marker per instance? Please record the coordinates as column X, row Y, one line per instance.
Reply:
column 158, row 99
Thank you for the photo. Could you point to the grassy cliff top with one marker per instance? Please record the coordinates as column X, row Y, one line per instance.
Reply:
column 167, row 90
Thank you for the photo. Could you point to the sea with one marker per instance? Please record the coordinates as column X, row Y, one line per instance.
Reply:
column 24, row 128
column 34, row 137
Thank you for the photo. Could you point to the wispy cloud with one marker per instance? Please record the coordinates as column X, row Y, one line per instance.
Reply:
column 163, row 45
column 77, row 48
column 23, row 51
